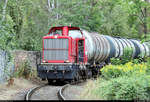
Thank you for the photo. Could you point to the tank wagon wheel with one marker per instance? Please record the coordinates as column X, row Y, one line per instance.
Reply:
column 94, row 73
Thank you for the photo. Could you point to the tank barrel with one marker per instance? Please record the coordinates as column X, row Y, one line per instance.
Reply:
column 103, row 47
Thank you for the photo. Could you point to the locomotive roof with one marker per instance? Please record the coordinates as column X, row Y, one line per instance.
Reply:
column 61, row 27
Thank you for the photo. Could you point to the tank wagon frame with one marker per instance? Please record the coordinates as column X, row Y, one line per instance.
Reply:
column 71, row 54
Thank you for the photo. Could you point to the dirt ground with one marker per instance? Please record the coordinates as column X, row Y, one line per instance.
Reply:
column 20, row 84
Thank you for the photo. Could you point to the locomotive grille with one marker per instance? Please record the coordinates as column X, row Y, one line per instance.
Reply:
column 55, row 49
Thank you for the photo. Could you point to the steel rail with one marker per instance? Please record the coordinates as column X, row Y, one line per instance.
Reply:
column 60, row 92
column 31, row 91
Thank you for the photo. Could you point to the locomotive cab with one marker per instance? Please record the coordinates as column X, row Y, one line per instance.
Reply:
column 63, row 54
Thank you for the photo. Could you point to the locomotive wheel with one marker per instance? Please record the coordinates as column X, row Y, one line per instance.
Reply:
column 85, row 75
column 89, row 74
column 77, row 77
column 43, row 79
column 95, row 73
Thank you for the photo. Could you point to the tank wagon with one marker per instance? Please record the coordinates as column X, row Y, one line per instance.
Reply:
column 71, row 54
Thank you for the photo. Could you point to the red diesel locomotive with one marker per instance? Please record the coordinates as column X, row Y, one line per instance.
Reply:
column 64, row 55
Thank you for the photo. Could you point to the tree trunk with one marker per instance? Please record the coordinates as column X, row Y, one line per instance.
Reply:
column 49, row 10
column 57, row 6
column 48, row 3
column 4, row 10
column 145, row 30
column 145, row 20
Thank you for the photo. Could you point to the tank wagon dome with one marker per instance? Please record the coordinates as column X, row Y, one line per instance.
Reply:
column 103, row 47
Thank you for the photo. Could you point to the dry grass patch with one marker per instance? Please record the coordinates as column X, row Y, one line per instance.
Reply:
column 8, row 92
column 87, row 92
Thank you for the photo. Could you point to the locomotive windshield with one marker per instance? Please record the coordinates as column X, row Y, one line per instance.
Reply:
column 54, row 32
column 75, row 33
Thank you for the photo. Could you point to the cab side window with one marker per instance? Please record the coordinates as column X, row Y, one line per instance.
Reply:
column 75, row 33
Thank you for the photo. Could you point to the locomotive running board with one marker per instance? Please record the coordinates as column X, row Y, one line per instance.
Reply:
column 57, row 63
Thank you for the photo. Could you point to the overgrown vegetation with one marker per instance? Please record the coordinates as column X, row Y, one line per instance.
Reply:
column 25, row 71
column 135, row 87
column 124, row 79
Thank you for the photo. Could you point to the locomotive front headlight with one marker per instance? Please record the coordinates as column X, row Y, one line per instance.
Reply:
column 67, row 61
column 44, row 61
column 55, row 36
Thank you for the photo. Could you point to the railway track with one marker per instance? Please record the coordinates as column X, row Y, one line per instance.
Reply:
column 31, row 91
column 57, row 92
column 60, row 92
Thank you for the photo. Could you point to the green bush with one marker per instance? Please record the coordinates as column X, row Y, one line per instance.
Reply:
column 124, row 88
column 114, row 71
column 115, row 61
column 129, row 81
column 127, row 55
column 124, row 79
